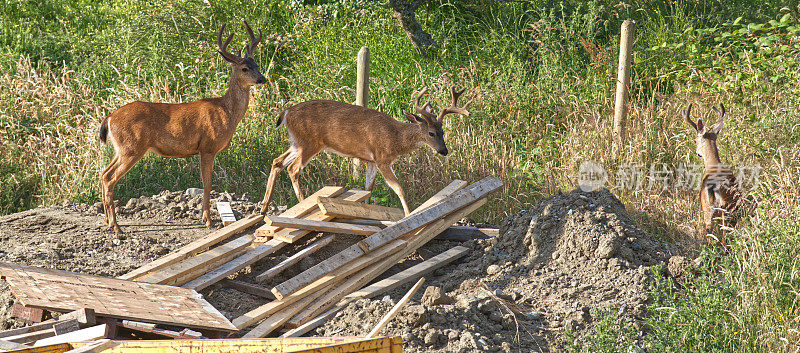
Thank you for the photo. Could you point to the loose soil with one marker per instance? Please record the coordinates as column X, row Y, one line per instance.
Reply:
column 553, row 269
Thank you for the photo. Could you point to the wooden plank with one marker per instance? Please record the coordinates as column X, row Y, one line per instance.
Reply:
column 458, row 200
column 362, row 278
column 293, row 235
column 194, row 247
column 321, row 226
column 302, row 208
column 317, row 286
column 316, row 322
column 97, row 346
column 87, row 334
column 411, row 273
column 84, row 316
column 448, row 190
column 272, row 272
column 30, row 337
column 184, row 271
column 276, row 320
column 48, row 325
column 465, row 233
column 392, row 313
column 354, row 265
column 248, row 288
column 350, row 209
column 233, row 266
column 28, row 314
column 112, row 298
column 264, row 345
column 225, row 213
column 9, row 346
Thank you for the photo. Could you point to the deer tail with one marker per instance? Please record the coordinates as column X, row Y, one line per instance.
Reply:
column 104, row 130
column 281, row 119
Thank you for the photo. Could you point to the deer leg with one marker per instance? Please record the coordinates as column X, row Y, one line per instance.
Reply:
column 277, row 166
column 369, row 178
column 206, row 169
column 304, row 154
column 391, row 179
column 102, row 187
column 121, row 165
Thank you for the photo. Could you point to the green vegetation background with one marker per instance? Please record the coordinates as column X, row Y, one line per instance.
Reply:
column 542, row 75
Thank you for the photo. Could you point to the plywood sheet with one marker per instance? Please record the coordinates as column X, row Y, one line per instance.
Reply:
column 110, row 297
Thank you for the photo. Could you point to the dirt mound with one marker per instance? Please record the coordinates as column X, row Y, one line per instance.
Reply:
column 553, row 269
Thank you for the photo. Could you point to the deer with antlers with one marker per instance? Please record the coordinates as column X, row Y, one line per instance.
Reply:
column 203, row 127
column 720, row 195
column 355, row 131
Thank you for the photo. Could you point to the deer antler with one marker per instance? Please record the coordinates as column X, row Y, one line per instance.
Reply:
column 686, row 115
column 253, row 41
column 223, row 47
column 720, row 114
column 454, row 108
column 424, row 109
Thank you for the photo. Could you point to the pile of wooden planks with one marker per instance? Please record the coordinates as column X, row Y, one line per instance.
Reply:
column 323, row 287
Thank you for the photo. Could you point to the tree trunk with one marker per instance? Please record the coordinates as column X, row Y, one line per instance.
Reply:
column 404, row 12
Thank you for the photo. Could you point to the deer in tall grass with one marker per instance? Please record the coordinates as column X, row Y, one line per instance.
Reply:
column 203, row 127
column 720, row 194
column 355, row 131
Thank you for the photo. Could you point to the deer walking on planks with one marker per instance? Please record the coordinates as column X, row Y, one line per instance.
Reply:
column 203, row 127
column 720, row 194
column 355, row 131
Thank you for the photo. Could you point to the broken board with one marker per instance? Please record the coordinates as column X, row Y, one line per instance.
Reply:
column 64, row 291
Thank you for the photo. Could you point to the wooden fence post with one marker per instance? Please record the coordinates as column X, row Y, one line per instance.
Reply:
column 362, row 88
column 623, row 82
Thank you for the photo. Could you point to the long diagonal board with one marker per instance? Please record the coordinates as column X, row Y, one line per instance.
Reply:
column 457, row 200
column 110, row 297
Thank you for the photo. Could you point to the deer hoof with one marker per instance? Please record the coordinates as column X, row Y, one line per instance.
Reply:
column 115, row 228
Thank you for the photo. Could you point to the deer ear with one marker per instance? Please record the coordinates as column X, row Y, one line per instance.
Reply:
column 716, row 128
column 701, row 126
column 412, row 118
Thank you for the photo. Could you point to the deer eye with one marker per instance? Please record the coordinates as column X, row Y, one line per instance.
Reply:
column 244, row 69
column 431, row 133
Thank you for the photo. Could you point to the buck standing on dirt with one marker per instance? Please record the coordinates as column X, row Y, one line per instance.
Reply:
column 203, row 127
column 355, row 131
column 720, row 196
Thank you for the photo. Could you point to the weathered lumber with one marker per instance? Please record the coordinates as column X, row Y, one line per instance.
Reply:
column 302, row 208
column 272, row 272
column 362, row 278
column 225, row 213
column 275, row 321
column 457, row 200
column 321, row 226
column 448, row 190
column 194, row 247
column 97, row 346
column 391, row 314
column 293, row 235
column 85, row 316
column 465, row 233
column 184, row 271
column 233, row 266
column 316, row 322
column 248, row 288
column 350, row 209
column 87, row 334
column 27, row 313
column 10, row 346
column 317, row 287
column 352, row 266
column 410, row 274
column 30, row 334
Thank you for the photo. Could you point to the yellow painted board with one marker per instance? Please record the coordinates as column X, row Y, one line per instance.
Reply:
column 263, row 345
